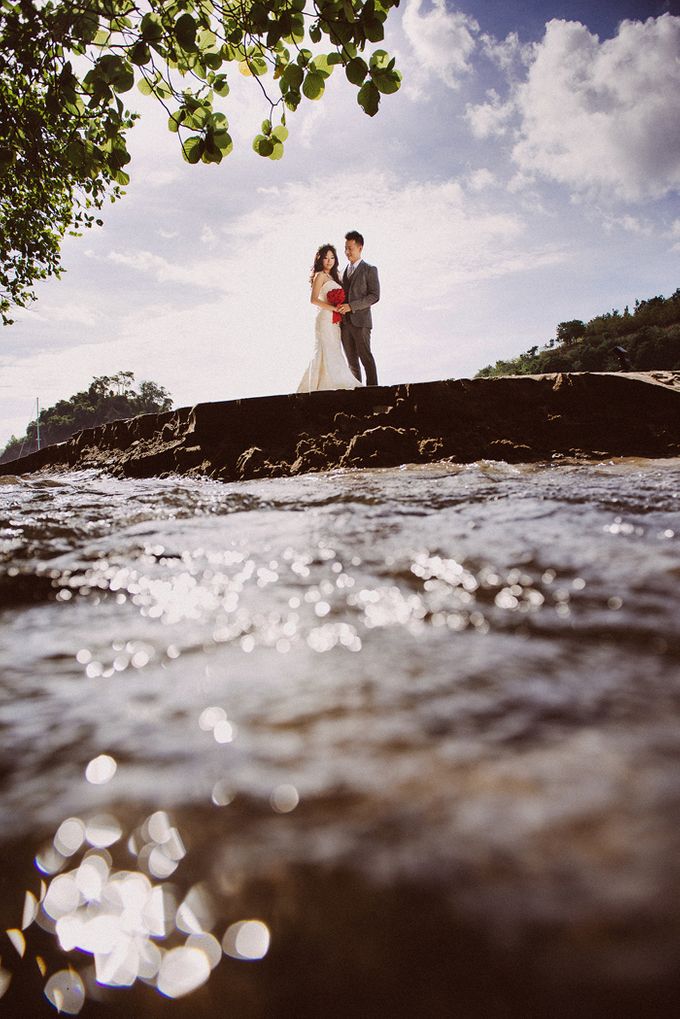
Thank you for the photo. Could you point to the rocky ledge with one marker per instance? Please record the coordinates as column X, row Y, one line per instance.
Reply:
column 514, row 418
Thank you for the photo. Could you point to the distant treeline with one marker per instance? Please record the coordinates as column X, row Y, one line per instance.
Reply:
column 107, row 398
column 649, row 336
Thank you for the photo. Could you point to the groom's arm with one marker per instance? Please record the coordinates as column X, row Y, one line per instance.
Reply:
column 372, row 295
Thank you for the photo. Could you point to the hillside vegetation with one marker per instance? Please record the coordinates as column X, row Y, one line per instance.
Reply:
column 649, row 337
column 107, row 398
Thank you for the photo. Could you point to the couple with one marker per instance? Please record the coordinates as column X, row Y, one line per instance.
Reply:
column 343, row 320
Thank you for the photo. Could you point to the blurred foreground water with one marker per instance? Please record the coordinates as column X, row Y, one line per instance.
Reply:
column 366, row 743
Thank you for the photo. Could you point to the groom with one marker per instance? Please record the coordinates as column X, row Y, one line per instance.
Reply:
column 362, row 289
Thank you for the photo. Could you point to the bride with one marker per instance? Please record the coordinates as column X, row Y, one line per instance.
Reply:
column 328, row 368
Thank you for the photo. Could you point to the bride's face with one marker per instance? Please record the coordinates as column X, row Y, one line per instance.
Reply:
column 328, row 261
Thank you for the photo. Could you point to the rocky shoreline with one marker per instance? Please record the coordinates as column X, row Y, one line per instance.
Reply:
column 513, row 418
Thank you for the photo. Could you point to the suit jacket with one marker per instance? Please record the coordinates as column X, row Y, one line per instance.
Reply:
column 362, row 289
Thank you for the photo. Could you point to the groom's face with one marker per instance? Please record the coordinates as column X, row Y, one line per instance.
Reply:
column 353, row 251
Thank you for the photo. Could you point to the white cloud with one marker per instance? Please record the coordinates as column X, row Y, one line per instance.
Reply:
column 479, row 180
column 603, row 118
column 75, row 314
column 631, row 224
column 520, row 182
column 309, row 123
column 489, row 118
column 161, row 178
column 203, row 274
column 443, row 41
column 509, row 54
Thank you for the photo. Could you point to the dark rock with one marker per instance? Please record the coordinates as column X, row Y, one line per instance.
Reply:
column 430, row 449
column 514, row 417
column 383, row 446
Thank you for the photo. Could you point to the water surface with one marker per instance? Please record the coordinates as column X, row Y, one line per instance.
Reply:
column 420, row 724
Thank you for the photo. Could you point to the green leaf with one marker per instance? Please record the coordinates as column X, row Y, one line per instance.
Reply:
column 303, row 57
column 197, row 118
column 315, row 33
column 274, row 35
column 152, row 27
column 185, row 31
column 223, row 142
column 192, row 149
column 280, row 133
column 118, row 157
column 369, row 98
column 322, row 65
column 254, row 64
column 144, row 87
column 348, row 9
column 175, row 120
column 212, row 59
column 114, row 71
column 162, row 89
column 266, row 127
column 314, row 85
column 341, row 34
column 211, row 153
column 285, row 23
column 263, row 146
column 86, row 26
column 140, row 54
column 373, row 29
column 292, row 100
column 259, row 16
column 356, row 70
column 387, row 82
column 293, row 77
column 75, row 152
column 101, row 37
column 297, row 32
column 277, row 151
column 380, row 59
column 206, row 39
column 220, row 85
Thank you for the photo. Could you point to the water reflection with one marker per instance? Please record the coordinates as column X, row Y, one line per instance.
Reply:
column 66, row 991
column 130, row 922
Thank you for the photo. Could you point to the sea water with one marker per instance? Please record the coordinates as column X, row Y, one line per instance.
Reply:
column 255, row 733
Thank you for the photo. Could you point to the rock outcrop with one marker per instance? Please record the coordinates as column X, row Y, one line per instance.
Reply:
column 513, row 418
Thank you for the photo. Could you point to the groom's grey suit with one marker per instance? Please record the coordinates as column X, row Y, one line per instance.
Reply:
column 362, row 289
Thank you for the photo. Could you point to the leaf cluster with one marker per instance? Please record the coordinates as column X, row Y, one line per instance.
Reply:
column 650, row 336
column 107, row 398
column 65, row 65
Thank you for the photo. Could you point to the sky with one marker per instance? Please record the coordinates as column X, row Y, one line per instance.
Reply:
column 527, row 173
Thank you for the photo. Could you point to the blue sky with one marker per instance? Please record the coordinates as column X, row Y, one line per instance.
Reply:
column 527, row 172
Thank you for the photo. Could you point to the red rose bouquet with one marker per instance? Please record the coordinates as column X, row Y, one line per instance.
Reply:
column 336, row 297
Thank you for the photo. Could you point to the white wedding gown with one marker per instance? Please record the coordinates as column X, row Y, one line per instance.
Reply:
column 328, row 368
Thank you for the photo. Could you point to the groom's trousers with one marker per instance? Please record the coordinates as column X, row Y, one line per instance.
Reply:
column 356, row 342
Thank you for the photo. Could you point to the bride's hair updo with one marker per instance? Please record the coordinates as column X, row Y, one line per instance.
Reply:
column 318, row 263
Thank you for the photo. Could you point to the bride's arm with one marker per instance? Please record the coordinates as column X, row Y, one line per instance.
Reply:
column 316, row 290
